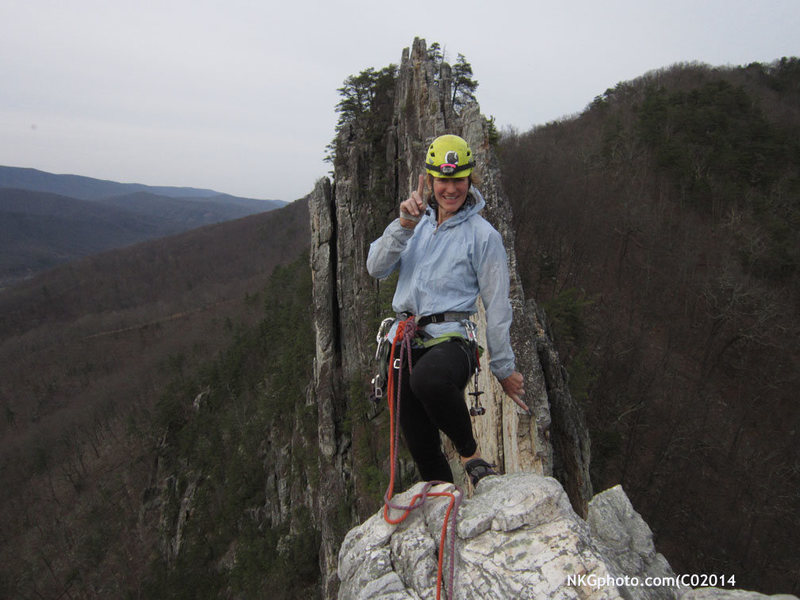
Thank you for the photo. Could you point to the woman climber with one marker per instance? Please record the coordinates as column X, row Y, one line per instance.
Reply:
column 446, row 255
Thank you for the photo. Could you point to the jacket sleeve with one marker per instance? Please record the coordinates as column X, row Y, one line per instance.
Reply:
column 493, row 280
column 384, row 253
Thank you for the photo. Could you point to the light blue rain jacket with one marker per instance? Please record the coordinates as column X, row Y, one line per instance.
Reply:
column 443, row 269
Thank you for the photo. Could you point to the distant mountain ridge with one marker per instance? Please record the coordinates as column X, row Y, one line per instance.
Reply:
column 48, row 219
column 89, row 188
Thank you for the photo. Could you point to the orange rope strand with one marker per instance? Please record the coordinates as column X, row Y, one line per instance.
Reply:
column 399, row 337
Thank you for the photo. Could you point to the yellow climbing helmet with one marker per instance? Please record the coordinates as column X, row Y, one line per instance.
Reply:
column 449, row 156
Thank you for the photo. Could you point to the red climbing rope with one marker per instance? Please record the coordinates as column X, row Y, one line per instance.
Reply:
column 404, row 335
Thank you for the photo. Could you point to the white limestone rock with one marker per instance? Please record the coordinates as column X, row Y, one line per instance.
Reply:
column 628, row 543
column 521, row 539
column 517, row 537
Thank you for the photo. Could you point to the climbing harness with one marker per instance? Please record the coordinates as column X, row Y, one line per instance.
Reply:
column 378, row 382
column 403, row 340
column 384, row 344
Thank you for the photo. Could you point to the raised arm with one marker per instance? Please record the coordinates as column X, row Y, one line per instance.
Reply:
column 384, row 253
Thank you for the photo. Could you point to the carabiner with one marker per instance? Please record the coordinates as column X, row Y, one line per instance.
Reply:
column 383, row 336
column 471, row 329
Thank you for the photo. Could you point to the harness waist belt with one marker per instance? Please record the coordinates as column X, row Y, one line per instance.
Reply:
column 437, row 318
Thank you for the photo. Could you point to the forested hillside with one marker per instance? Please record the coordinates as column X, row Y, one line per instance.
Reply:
column 661, row 230
column 100, row 362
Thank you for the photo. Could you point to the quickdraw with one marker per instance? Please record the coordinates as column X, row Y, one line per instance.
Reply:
column 382, row 357
column 476, row 409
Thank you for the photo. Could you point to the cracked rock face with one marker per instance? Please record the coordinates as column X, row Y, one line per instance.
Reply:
column 517, row 537
column 376, row 167
column 628, row 542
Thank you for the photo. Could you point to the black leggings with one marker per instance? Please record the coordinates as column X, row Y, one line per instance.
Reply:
column 432, row 399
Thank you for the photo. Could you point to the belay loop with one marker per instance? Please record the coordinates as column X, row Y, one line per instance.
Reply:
column 403, row 339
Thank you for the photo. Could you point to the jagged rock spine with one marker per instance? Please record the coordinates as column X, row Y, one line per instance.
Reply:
column 373, row 172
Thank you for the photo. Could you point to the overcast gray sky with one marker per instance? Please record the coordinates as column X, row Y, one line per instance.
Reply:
column 239, row 95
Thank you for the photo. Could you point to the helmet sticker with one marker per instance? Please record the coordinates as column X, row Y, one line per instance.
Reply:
column 451, row 157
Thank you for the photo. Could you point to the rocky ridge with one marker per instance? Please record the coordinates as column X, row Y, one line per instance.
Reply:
column 378, row 158
column 518, row 537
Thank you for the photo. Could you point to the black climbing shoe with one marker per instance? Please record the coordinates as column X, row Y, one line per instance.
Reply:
column 477, row 469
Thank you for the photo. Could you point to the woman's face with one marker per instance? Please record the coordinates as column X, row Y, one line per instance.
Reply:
column 450, row 193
